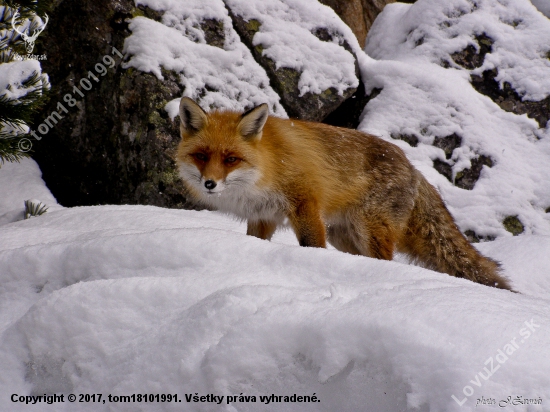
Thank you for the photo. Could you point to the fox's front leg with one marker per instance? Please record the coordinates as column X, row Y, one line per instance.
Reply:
column 308, row 225
column 261, row 229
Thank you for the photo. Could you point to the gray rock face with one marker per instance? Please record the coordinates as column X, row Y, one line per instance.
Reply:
column 471, row 59
column 506, row 97
column 466, row 178
column 286, row 80
column 114, row 143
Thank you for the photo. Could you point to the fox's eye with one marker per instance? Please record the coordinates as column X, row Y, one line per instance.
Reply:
column 231, row 159
column 201, row 157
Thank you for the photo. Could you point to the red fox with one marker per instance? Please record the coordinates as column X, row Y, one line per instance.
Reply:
column 353, row 189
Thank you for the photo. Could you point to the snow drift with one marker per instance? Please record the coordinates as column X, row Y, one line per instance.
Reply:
column 133, row 299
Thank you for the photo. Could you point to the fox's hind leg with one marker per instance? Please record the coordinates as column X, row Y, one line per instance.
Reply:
column 364, row 234
column 376, row 238
column 341, row 238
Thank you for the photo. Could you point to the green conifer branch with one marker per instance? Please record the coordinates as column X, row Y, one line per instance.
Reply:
column 16, row 113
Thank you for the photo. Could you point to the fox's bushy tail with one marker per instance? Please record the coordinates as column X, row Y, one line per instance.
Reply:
column 433, row 239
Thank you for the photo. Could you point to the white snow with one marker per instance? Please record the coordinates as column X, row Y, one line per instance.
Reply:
column 12, row 78
column 230, row 77
column 421, row 98
column 28, row 26
column 12, row 75
column 19, row 182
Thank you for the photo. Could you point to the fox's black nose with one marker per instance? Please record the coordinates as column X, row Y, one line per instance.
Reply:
column 210, row 184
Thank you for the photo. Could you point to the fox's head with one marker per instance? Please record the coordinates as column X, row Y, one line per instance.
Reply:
column 218, row 151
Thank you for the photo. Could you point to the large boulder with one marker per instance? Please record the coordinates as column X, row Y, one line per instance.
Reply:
column 109, row 132
column 305, row 49
column 114, row 142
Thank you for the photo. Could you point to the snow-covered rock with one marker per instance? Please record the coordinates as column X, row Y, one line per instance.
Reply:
column 305, row 48
column 444, row 124
column 224, row 75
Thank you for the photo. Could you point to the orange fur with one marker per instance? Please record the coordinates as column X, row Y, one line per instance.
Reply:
column 354, row 189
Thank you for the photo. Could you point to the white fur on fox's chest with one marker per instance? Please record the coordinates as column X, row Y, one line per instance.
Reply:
column 248, row 203
column 239, row 196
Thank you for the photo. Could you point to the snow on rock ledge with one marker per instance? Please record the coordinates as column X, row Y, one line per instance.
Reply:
column 305, row 48
column 196, row 40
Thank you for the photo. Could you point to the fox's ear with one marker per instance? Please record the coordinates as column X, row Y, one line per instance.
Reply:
column 253, row 121
column 192, row 117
